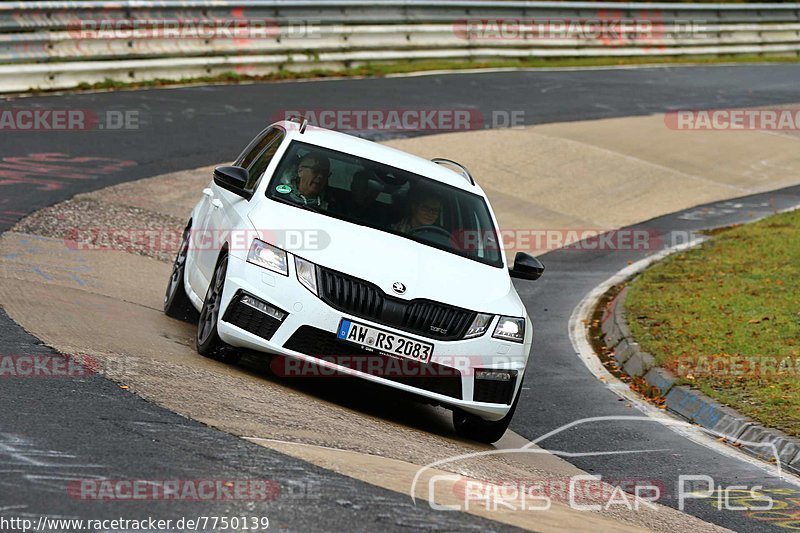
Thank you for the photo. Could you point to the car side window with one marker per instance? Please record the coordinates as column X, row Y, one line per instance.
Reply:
column 258, row 146
column 263, row 159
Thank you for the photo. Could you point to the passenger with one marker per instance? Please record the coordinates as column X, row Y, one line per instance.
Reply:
column 424, row 208
column 310, row 180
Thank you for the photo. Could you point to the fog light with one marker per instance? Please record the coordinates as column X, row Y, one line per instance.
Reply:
column 265, row 308
column 495, row 375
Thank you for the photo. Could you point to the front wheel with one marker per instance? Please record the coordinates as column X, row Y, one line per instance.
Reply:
column 208, row 342
column 176, row 302
column 473, row 427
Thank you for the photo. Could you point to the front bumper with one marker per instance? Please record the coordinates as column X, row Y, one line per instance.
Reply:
column 318, row 320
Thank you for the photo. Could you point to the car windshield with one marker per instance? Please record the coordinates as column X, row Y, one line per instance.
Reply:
column 395, row 201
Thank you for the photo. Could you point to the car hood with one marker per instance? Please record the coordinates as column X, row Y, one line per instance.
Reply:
column 384, row 259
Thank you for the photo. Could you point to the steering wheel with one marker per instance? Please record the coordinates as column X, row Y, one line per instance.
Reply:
column 437, row 232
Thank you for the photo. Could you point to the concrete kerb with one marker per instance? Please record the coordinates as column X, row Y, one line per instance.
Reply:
column 689, row 403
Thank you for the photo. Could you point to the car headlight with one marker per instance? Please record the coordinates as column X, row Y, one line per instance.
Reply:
column 510, row 328
column 269, row 257
column 479, row 326
column 306, row 274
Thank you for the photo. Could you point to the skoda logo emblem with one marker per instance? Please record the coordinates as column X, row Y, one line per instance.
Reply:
column 398, row 287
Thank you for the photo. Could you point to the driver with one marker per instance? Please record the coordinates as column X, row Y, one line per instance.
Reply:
column 424, row 208
column 310, row 180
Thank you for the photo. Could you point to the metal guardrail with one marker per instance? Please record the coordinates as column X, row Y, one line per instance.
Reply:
column 52, row 45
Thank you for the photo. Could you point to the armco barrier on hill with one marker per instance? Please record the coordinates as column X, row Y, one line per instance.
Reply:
column 54, row 45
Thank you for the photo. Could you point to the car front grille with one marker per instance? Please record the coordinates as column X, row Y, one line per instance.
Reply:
column 325, row 345
column 363, row 299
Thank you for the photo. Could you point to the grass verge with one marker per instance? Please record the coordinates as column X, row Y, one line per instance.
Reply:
column 724, row 317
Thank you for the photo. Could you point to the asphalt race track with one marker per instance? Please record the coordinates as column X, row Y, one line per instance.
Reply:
column 52, row 430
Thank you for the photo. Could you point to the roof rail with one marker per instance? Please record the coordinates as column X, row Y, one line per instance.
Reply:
column 461, row 168
column 300, row 119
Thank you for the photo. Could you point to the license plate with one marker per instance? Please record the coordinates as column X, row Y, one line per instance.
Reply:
column 384, row 342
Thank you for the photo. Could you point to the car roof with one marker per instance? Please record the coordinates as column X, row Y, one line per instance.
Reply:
column 350, row 144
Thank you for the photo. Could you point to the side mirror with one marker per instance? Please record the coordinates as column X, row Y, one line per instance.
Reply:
column 233, row 179
column 526, row 267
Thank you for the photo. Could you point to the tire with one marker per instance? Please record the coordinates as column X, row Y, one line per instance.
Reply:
column 176, row 302
column 208, row 342
column 475, row 428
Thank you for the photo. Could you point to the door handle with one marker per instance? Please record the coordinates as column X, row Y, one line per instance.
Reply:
column 216, row 203
column 208, row 193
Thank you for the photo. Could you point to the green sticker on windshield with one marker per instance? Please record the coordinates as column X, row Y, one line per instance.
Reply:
column 283, row 189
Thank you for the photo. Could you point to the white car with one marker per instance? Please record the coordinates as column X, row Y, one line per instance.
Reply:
column 347, row 257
